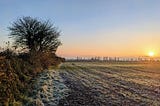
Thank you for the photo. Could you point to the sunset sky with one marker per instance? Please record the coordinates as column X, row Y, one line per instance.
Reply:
column 93, row 27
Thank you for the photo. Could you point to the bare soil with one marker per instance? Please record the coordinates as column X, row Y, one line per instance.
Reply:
column 116, row 84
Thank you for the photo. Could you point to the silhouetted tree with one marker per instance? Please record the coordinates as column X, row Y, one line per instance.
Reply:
column 35, row 35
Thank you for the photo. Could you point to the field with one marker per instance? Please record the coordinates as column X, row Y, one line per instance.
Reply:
column 105, row 84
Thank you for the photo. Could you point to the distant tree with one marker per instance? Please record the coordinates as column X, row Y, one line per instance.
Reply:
column 35, row 35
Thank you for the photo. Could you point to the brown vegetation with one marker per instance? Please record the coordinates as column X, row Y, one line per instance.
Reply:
column 16, row 73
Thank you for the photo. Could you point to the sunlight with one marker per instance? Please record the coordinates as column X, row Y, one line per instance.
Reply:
column 151, row 53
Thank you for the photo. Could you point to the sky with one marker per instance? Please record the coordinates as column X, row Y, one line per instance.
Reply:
column 93, row 27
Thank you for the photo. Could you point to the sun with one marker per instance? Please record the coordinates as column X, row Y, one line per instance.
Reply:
column 151, row 53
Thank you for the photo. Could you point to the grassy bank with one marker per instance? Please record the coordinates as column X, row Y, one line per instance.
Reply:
column 17, row 72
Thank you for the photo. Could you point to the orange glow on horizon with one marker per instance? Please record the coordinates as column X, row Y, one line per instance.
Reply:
column 139, row 45
column 101, row 53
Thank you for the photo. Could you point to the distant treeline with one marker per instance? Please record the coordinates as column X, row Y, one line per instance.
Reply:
column 114, row 59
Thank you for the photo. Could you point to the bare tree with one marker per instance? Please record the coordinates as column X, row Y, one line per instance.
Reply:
column 35, row 35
